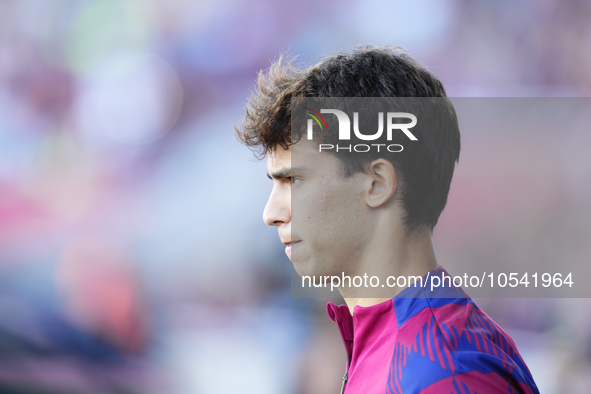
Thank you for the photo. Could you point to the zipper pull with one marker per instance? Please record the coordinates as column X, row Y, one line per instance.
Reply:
column 344, row 382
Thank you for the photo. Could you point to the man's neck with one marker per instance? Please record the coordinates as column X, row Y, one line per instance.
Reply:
column 405, row 258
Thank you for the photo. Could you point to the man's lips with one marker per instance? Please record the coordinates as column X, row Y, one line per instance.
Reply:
column 290, row 245
column 290, row 242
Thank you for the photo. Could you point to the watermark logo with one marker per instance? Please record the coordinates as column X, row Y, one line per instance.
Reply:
column 315, row 115
column 344, row 123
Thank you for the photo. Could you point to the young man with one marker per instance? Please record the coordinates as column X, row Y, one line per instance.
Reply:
column 374, row 212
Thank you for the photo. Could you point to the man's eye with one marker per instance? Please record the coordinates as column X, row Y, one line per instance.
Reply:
column 293, row 179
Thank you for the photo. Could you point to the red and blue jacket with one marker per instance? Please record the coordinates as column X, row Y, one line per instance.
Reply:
column 428, row 342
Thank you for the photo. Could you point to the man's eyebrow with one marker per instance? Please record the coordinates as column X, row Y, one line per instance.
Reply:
column 283, row 173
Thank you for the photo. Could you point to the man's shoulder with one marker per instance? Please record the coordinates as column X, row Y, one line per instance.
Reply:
column 442, row 342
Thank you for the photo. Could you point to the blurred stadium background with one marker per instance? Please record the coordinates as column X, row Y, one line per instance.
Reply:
column 133, row 256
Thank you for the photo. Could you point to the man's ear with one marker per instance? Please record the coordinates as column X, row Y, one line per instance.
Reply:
column 382, row 176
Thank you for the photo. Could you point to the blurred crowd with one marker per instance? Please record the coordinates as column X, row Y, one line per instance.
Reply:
column 133, row 256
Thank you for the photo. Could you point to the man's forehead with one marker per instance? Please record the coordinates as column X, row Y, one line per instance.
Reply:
column 279, row 158
column 303, row 154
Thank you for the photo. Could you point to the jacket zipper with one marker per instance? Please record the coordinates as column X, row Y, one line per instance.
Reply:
column 344, row 382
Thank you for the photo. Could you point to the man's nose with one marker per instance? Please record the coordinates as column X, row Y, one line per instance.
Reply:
column 278, row 208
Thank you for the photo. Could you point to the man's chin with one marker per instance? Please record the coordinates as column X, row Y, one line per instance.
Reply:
column 308, row 268
column 303, row 268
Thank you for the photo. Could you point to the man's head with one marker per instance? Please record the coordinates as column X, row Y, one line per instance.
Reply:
column 421, row 176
